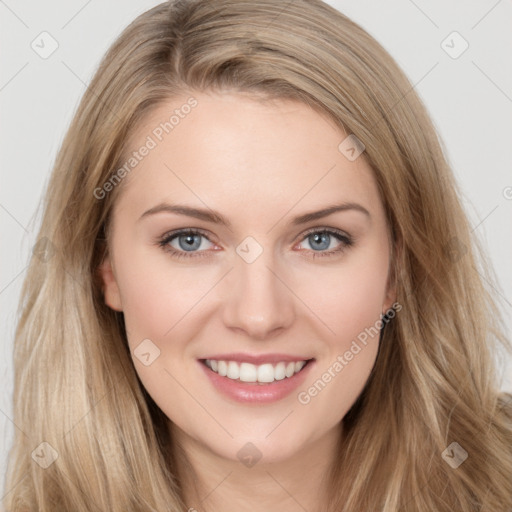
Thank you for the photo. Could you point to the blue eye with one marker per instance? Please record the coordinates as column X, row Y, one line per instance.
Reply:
column 189, row 243
column 320, row 240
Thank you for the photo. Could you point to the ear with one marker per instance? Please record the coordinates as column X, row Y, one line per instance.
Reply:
column 110, row 288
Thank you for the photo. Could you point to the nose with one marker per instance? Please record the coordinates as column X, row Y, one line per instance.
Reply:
column 257, row 300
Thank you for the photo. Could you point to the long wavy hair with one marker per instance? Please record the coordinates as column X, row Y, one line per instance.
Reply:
column 435, row 381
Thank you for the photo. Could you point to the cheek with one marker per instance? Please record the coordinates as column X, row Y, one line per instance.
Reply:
column 348, row 297
column 350, row 305
column 156, row 294
column 161, row 303
column 348, row 356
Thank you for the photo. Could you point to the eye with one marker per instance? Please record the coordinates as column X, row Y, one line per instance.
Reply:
column 185, row 243
column 322, row 239
column 190, row 243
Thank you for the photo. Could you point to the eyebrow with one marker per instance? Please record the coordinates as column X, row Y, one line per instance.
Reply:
column 209, row 215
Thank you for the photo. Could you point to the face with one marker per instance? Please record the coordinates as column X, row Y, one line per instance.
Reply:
column 218, row 263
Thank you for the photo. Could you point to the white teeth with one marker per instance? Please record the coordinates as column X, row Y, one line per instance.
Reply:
column 266, row 373
column 280, row 371
column 233, row 370
column 290, row 369
column 299, row 365
column 247, row 372
column 222, row 368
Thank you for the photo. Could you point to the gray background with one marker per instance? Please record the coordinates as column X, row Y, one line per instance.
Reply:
column 469, row 98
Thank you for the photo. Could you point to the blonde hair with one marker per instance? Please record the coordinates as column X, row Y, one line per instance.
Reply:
column 434, row 382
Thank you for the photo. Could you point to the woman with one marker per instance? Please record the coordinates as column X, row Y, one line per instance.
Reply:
column 254, row 285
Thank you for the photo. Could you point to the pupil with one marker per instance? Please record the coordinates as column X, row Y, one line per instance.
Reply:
column 322, row 239
column 190, row 243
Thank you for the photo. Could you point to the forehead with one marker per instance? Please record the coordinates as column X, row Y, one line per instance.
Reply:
column 235, row 151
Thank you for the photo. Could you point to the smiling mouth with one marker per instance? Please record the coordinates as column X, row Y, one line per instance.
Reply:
column 255, row 374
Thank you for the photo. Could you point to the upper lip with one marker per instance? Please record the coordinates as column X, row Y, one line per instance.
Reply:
column 257, row 359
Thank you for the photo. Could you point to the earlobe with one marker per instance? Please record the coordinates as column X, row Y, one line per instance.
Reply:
column 110, row 288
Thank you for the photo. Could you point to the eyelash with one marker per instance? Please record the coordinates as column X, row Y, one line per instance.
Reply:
column 346, row 240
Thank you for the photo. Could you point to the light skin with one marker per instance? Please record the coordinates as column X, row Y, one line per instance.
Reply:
column 260, row 165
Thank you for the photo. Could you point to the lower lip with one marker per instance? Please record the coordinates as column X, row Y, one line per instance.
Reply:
column 255, row 392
